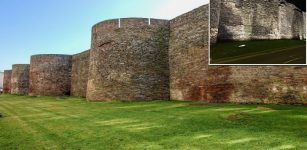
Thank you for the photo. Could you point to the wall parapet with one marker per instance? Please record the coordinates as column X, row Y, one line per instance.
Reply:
column 128, row 22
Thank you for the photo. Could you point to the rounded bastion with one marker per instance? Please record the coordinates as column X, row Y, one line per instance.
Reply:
column 7, row 81
column 20, row 79
column 129, row 60
column 50, row 75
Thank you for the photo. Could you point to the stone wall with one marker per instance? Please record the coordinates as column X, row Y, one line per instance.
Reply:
column 7, row 81
column 20, row 79
column 269, row 84
column 130, row 62
column 215, row 10
column 50, row 75
column 79, row 75
column 193, row 79
column 187, row 52
column 1, row 80
column 256, row 19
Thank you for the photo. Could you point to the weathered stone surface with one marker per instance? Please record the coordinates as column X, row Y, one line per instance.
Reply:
column 79, row 75
column 193, row 79
column 187, row 52
column 215, row 10
column 269, row 84
column 1, row 80
column 130, row 62
column 20, row 79
column 50, row 75
column 256, row 19
column 7, row 81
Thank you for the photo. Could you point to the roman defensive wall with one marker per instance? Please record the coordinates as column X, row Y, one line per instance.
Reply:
column 1, row 80
column 79, row 74
column 7, row 81
column 20, row 79
column 50, row 75
column 151, row 59
column 129, row 60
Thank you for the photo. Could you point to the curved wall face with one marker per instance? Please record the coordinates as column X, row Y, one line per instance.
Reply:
column 130, row 62
column 79, row 75
column 7, row 81
column 20, row 79
column 50, row 75
column 256, row 19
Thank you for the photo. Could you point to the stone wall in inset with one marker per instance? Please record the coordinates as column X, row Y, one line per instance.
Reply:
column 7, row 81
column 129, row 60
column 256, row 19
column 50, row 75
column 20, row 79
column 79, row 75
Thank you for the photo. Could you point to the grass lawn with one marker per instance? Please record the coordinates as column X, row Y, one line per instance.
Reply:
column 72, row 123
column 259, row 52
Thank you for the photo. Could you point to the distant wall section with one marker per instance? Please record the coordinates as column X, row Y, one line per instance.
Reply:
column 20, row 79
column 1, row 80
column 7, row 81
column 50, row 75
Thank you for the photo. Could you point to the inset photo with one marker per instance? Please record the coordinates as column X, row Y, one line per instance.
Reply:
column 257, row 32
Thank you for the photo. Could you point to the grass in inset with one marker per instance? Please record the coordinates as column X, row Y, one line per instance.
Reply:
column 259, row 52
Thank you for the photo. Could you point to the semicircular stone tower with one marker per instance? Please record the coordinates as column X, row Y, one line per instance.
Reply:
column 20, row 79
column 50, row 75
column 129, row 60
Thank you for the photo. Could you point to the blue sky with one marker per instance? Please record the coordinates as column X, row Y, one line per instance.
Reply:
column 31, row 27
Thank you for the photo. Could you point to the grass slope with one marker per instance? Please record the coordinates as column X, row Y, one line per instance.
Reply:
column 259, row 52
column 72, row 123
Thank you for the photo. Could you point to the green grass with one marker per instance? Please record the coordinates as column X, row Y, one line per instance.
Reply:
column 72, row 123
column 259, row 52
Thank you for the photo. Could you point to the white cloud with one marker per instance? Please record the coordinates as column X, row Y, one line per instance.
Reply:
column 173, row 8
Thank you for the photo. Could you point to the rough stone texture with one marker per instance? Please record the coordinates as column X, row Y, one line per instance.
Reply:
column 130, row 62
column 256, row 19
column 79, row 75
column 50, row 75
column 269, row 84
column 20, row 79
column 1, row 80
column 215, row 9
column 193, row 79
column 187, row 53
column 7, row 81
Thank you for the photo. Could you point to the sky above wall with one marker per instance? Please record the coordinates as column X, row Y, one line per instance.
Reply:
column 31, row 27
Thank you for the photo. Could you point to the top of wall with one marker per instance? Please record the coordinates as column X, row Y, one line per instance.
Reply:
column 7, row 71
column 128, row 22
column 50, row 55
column 187, row 17
column 20, row 65
column 82, row 53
